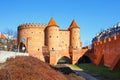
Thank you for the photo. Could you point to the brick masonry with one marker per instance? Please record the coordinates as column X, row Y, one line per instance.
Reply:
column 106, row 52
column 49, row 43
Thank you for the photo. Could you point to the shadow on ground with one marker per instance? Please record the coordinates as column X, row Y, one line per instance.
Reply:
column 70, row 74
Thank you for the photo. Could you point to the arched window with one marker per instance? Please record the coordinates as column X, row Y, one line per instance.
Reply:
column 22, row 47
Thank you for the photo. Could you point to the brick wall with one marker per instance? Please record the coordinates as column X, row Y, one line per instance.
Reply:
column 108, row 49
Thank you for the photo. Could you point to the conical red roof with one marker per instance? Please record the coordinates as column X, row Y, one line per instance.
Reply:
column 52, row 23
column 73, row 25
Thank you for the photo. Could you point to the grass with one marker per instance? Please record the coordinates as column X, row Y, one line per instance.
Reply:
column 100, row 72
column 62, row 60
column 73, row 66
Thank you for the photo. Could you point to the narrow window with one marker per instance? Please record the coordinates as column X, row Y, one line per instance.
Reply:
column 52, row 48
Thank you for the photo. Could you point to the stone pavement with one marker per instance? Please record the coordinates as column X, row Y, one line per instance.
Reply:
column 80, row 72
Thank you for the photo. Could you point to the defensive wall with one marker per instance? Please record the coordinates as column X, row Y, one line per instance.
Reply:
column 48, row 42
column 107, row 52
column 31, row 36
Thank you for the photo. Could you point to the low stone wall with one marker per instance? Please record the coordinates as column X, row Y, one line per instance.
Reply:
column 4, row 55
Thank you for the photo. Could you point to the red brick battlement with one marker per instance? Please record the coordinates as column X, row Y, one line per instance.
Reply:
column 107, row 51
column 31, row 25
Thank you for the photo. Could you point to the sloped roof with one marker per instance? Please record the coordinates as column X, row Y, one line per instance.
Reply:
column 2, row 36
column 52, row 23
column 73, row 25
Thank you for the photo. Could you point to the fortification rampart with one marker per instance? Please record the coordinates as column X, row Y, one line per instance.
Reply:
column 107, row 50
column 29, row 34
column 41, row 40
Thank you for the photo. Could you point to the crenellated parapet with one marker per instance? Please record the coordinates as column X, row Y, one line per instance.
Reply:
column 108, row 40
column 107, row 50
column 31, row 25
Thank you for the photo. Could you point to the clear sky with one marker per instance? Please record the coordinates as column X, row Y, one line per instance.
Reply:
column 90, row 15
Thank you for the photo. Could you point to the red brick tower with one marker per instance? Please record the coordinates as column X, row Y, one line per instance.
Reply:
column 52, row 40
column 74, row 36
column 75, row 43
column 31, row 37
column 52, row 35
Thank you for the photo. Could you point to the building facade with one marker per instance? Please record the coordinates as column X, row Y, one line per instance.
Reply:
column 6, row 42
column 48, row 42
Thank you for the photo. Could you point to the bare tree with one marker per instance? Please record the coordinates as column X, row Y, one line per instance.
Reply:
column 10, row 35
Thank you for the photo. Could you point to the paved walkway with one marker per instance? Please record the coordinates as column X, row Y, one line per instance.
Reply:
column 80, row 72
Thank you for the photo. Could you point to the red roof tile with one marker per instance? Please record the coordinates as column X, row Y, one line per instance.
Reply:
column 73, row 25
column 2, row 36
column 52, row 23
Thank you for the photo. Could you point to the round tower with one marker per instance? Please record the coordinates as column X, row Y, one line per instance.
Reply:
column 75, row 42
column 31, row 39
column 52, row 35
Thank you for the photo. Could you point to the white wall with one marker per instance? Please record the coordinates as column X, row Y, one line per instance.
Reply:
column 5, row 54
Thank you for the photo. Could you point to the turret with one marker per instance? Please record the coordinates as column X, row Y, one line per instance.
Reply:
column 52, row 35
column 74, row 36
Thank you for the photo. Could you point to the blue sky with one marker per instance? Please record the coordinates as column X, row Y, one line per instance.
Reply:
column 92, row 16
